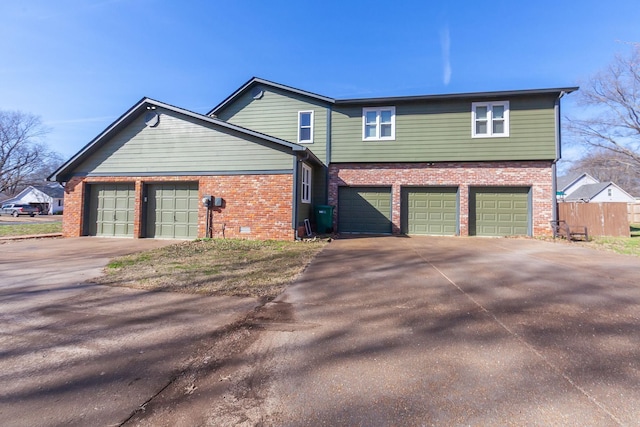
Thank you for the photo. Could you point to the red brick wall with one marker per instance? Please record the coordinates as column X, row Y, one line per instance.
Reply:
column 259, row 203
column 537, row 175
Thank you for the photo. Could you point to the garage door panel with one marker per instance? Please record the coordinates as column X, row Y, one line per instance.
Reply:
column 111, row 210
column 364, row 210
column 429, row 210
column 173, row 210
column 499, row 211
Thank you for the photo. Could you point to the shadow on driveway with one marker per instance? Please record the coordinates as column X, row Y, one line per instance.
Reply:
column 75, row 353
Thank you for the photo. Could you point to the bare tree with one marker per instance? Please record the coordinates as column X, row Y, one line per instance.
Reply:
column 24, row 158
column 610, row 119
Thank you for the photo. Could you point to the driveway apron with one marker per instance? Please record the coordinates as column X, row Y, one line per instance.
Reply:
column 459, row 331
column 75, row 353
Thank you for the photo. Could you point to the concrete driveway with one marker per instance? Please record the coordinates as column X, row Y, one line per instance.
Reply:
column 454, row 331
column 74, row 353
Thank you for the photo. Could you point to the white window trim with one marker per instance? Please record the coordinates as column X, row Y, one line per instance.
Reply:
column 305, row 188
column 300, row 140
column 378, row 111
column 490, row 106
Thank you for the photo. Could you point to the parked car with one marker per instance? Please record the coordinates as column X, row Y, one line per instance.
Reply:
column 16, row 209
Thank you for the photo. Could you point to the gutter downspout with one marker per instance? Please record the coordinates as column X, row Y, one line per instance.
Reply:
column 294, row 211
column 554, row 172
column 328, row 156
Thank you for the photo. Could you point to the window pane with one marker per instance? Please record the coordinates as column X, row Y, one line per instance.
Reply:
column 385, row 130
column 371, row 117
column 386, row 116
column 498, row 111
column 370, row 131
column 305, row 119
column 481, row 128
column 305, row 134
column 481, row 113
column 498, row 126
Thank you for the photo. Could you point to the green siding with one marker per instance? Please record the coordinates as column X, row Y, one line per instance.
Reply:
column 499, row 211
column 181, row 144
column 441, row 131
column 364, row 210
column 276, row 114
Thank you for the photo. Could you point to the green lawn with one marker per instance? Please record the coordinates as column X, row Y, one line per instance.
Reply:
column 621, row 245
column 9, row 229
column 215, row 267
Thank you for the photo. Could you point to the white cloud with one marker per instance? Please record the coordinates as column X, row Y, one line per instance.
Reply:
column 445, row 44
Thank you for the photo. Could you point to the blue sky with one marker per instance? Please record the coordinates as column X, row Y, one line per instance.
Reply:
column 81, row 64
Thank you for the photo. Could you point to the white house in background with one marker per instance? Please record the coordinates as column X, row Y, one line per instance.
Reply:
column 570, row 183
column 49, row 198
column 585, row 188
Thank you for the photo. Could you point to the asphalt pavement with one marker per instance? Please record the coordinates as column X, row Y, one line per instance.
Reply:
column 74, row 353
column 456, row 331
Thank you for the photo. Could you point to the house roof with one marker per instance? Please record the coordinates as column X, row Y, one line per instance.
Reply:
column 567, row 181
column 496, row 94
column 508, row 93
column 55, row 192
column 259, row 81
column 589, row 191
column 148, row 103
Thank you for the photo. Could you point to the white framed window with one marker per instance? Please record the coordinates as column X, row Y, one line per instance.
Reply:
column 305, row 127
column 489, row 119
column 379, row 124
column 306, row 184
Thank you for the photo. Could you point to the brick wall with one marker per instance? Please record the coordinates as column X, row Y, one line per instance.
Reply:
column 537, row 175
column 260, row 205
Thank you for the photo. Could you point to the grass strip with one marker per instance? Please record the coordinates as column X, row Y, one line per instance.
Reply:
column 215, row 267
column 30, row 229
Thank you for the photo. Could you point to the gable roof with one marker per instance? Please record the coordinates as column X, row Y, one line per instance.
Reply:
column 259, row 81
column 567, row 181
column 587, row 192
column 55, row 192
column 148, row 103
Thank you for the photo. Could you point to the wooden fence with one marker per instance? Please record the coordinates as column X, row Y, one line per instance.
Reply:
column 634, row 213
column 601, row 219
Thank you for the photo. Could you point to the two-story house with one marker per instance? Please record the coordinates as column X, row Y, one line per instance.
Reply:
column 462, row 164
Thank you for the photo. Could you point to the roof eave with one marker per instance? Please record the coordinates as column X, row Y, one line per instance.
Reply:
column 126, row 118
column 494, row 94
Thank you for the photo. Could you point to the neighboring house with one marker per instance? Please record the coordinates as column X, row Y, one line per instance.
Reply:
column 48, row 198
column 600, row 192
column 462, row 164
column 582, row 187
column 569, row 183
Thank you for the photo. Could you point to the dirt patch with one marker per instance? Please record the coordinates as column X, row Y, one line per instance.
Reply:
column 223, row 384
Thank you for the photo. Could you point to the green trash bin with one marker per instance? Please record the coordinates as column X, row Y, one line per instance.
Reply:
column 324, row 218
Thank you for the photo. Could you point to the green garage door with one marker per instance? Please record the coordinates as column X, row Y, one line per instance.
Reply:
column 430, row 210
column 499, row 211
column 172, row 211
column 111, row 210
column 364, row 210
